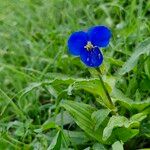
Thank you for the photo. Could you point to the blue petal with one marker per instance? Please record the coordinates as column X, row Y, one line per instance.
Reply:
column 99, row 36
column 76, row 42
column 92, row 58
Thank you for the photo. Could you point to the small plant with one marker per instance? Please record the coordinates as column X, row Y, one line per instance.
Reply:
column 106, row 124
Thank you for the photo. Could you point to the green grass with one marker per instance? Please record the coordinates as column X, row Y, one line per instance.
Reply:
column 36, row 69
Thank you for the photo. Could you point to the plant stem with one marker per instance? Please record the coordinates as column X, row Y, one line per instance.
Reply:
column 109, row 102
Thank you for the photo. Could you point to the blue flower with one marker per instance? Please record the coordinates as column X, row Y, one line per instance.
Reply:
column 87, row 44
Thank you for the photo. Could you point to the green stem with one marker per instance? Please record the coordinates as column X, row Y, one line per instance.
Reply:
column 108, row 102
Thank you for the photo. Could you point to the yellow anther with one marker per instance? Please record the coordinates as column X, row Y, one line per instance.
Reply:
column 89, row 46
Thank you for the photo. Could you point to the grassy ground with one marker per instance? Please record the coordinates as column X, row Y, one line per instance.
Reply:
column 33, row 54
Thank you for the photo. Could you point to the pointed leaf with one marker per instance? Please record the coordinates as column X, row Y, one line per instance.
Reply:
column 56, row 142
column 143, row 48
column 117, row 121
column 99, row 116
column 129, row 103
column 82, row 115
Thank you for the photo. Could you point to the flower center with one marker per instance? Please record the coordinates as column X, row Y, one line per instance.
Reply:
column 89, row 46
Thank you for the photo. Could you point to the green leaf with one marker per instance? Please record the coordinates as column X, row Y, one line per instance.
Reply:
column 138, row 117
column 98, row 146
column 82, row 115
column 117, row 146
column 94, row 86
column 143, row 48
column 53, row 122
column 76, row 137
column 124, row 134
column 129, row 103
column 99, row 116
column 65, row 140
column 115, row 122
column 48, row 125
column 56, row 142
column 91, row 85
column 52, row 82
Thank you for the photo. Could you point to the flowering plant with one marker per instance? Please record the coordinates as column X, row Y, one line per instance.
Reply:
column 87, row 44
column 107, row 124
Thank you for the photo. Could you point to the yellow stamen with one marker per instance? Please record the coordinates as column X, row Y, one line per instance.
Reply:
column 89, row 46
